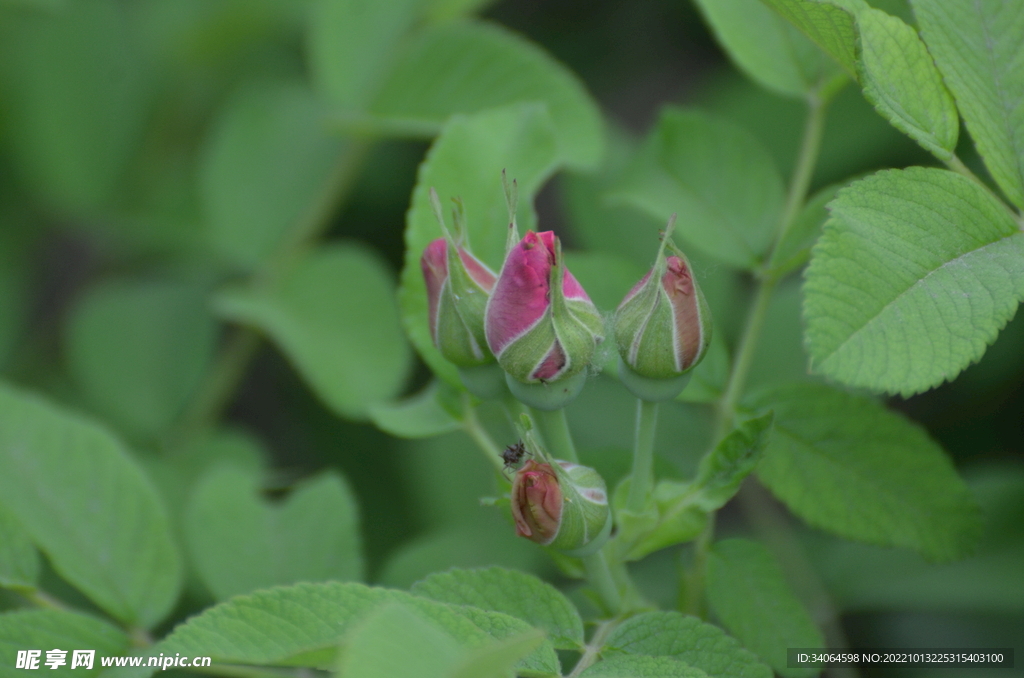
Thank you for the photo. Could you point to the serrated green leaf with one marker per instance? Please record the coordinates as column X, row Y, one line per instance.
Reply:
column 264, row 167
column 334, row 316
column 540, row 661
column 88, row 507
column 748, row 593
column 845, row 464
column 687, row 639
column 642, row 667
column 716, row 177
column 914, row 276
column 468, row 67
column 19, row 560
column 721, row 472
column 240, row 542
column 515, row 593
column 902, row 83
column 828, row 23
column 48, row 629
column 352, row 45
column 466, row 161
column 978, row 49
column 426, row 414
column 794, row 249
column 139, row 349
column 766, row 47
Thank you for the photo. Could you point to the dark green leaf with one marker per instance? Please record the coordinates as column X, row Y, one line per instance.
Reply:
column 845, row 464
column 721, row 472
column 48, row 629
column 916, row 273
column 88, row 507
column 334, row 316
column 19, row 560
column 747, row 591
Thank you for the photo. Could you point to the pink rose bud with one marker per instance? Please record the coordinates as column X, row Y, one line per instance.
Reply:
column 561, row 505
column 536, row 502
column 663, row 326
column 540, row 324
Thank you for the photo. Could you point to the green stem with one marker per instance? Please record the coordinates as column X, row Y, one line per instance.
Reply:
column 222, row 379
column 594, row 647
column 641, row 483
column 695, row 599
column 958, row 166
column 555, row 429
column 41, row 598
column 599, row 574
column 475, row 430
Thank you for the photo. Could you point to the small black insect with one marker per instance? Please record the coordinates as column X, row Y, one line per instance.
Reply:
column 513, row 454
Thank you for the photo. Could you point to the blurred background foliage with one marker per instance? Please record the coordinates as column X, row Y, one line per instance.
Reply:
column 137, row 142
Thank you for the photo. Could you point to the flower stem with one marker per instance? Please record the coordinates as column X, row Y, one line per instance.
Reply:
column 641, row 483
column 555, row 429
column 594, row 647
column 475, row 430
column 695, row 579
column 599, row 574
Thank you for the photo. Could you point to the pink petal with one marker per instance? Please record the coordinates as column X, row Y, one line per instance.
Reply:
column 521, row 294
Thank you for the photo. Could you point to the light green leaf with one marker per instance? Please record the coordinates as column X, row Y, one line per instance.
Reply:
column 916, row 273
column 828, row 23
column 515, row 593
column 847, row 465
column 902, row 83
column 766, row 47
column 687, row 639
column 794, row 249
column 352, row 46
column 466, row 161
column 721, row 471
column 978, row 48
column 541, row 660
column 502, row 656
column 431, row 412
column 88, row 507
column 716, row 177
column 265, row 165
column 642, row 667
column 240, row 542
column 748, row 593
column 334, row 316
column 139, row 349
column 468, row 67
column 48, row 629
column 19, row 560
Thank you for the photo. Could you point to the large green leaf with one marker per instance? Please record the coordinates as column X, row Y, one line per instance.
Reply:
column 88, row 507
column 748, row 593
column 265, row 166
column 334, row 316
column 466, row 161
column 642, row 667
column 515, row 593
column 240, row 542
column 139, row 349
column 916, row 273
column 467, row 67
column 716, row 177
column 19, row 560
column 902, row 83
column 978, row 48
column 433, row 411
column 845, row 464
column 48, row 629
column 688, row 639
column 828, row 23
column 766, row 47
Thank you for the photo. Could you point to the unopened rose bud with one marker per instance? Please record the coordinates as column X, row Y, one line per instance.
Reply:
column 663, row 328
column 540, row 324
column 561, row 505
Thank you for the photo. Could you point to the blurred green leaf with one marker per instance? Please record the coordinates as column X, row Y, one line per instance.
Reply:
column 430, row 412
column 48, row 629
column 794, row 249
column 515, row 593
column 977, row 47
column 74, row 100
column 916, row 273
column 718, row 179
column 440, row 10
column 747, row 591
column 724, row 468
column 901, row 81
column 19, row 560
column 828, row 23
column 352, row 46
column 845, row 464
column 466, row 161
column 265, row 167
column 766, row 47
column 139, row 349
column 240, row 542
column 14, row 286
column 334, row 316
column 780, row 356
column 88, row 507
column 642, row 667
column 687, row 639
column 468, row 67
column 506, row 654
